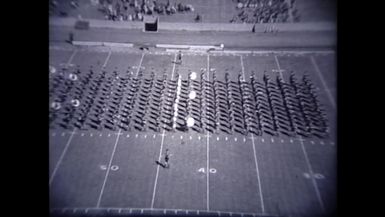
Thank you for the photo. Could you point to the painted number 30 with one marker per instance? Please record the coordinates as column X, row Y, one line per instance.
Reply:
column 211, row 170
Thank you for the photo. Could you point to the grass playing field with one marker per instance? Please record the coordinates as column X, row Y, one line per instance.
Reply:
column 96, row 172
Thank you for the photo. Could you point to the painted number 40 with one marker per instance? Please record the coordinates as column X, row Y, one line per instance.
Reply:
column 211, row 170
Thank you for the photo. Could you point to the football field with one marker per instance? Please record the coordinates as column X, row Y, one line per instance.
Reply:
column 112, row 170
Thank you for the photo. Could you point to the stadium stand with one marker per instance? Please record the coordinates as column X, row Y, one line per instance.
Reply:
column 265, row 11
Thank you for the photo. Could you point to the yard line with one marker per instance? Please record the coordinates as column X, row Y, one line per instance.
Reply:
column 331, row 98
column 243, row 68
column 108, row 169
column 157, row 171
column 312, row 177
column 61, row 157
column 140, row 65
column 257, row 169
column 307, row 160
column 175, row 105
column 113, row 151
column 108, row 57
column 279, row 68
column 69, row 139
column 71, row 57
column 207, row 172
column 208, row 147
column 208, row 66
column 173, row 68
column 161, row 149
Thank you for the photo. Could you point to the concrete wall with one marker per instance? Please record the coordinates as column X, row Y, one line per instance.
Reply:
column 283, row 27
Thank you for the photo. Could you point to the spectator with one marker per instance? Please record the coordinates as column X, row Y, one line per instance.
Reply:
column 173, row 10
column 140, row 16
column 109, row 9
column 125, row 5
column 74, row 4
column 180, row 7
column 141, row 7
column 189, row 8
column 53, row 3
column 168, row 10
column 197, row 18
column 117, row 9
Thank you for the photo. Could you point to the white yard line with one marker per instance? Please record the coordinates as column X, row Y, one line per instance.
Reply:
column 208, row 172
column 178, row 88
column 108, row 169
column 108, row 58
column 257, row 169
column 307, row 159
column 279, row 67
column 71, row 57
column 331, row 98
column 157, row 171
column 208, row 148
column 69, row 139
column 61, row 157
column 312, row 177
column 173, row 68
column 160, row 152
column 255, row 153
column 243, row 68
column 116, row 142
column 140, row 65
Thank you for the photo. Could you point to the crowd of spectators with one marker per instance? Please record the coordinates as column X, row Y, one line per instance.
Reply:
column 264, row 11
column 62, row 8
column 135, row 9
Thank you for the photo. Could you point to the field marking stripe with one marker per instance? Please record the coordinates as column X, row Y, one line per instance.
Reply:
column 312, row 178
column 69, row 139
column 208, row 148
column 71, row 57
column 117, row 139
column 257, row 169
column 108, row 169
column 208, row 172
column 208, row 67
column 61, row 157
column 243, row 68
column 307, row 161
column 140, row 65
column 279, row 67
column 160, row 153
column 108, row 58
column 331, row 98
column 175, row 105
column 173, row 67
column 157, row 171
